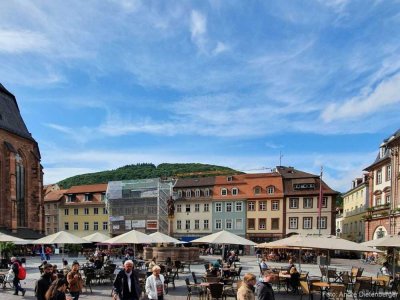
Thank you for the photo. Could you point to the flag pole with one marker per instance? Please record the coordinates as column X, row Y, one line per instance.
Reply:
column 320, row 203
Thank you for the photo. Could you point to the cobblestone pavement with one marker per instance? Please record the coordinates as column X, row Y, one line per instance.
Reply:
column 103, row 291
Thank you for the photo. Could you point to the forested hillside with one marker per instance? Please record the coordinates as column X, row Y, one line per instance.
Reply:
column 147, row 170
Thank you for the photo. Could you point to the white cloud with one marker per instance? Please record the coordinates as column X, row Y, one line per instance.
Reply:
column 198, row 29
column 385, row 94
column 56, row 174
column 19, row 41
column 221, row 47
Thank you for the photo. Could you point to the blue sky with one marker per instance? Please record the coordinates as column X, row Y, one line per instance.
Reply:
column 102, row 84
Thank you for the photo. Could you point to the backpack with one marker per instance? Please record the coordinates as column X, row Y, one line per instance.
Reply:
column 21, row 272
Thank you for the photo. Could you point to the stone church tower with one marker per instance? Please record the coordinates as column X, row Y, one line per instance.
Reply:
column 21, row 176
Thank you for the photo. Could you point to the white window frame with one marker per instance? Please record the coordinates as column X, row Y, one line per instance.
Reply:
column 228, row 207
column 251, row 206
column 76, row 211
column 197, row 193
column 218, row 224
column 324, row 202
column 188, row 193
column 270, row 190
column 179, row 193
column 88, row 197
column 196, row 207
column 224, row 191
column 292, row 222
column 275, row 205
column 197, row 224
column 206, row 224
column 86, row 226
column 95, row 226
column 308, row 202
column 66, row 212
column 235, row 191
column 179, row 224
column 76, row 226
column 239, row 224
column 293, row 201
column 187, row 224
column 95, row 210
column 262, row 226
column 206, row 207
column 218, row 207
column 307, row 221
column 86, row 211
column 179, row 208
column 187, row 208
column 105, row 225
column 207, row 193
column 262, row 205
column 239, row 206
column 324, row 223
column 228, row 224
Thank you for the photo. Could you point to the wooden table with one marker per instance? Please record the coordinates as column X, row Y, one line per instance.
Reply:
column 322, row 285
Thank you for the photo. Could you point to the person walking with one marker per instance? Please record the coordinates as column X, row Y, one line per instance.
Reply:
column 126, row 284
column 246, row 290
column 57, row 290
column 75, row 281
column 44, row 282
column 155, row 284
column 264, row 288
column 16, row 264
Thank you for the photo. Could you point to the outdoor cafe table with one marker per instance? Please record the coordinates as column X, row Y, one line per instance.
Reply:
column 322, row 285
column 286, row 276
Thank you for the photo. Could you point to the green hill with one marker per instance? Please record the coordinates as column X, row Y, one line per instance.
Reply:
column 147, row 170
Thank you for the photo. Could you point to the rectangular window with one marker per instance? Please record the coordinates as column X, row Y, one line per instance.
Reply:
column 66, row 226
column 205, row 223
column 239, row 224
column 218, row 224
column 178, row 224
column 88, row 197
column 262, row 223
column 262, row 205
column 196, row 224
column 76, row 226
column 206, row 207
column 388, row 173
column 95, row 226
column 207, row 193
column 197, row 207
column 228, row 224
column 307, row 202
column 71, row 198
column 293, row 223
column 275, row 223
column 379, row 176
column 224, row 192
column 251, row 206
column 235, row 191
column 76, row 211
column 86, row 211
column 66, row 212
column 324, row 221
column 294, row 203
column 307, row 223
column 105, row 225
column 275, row 205
column 251, row 224
column 228, row 206
column 187, row 207
column 271, row 190
column 95, row 210
column 188, row 193
column 197, row 193
column 105, row 212
column 324, row 202
column 179, row 208
column 218, row 207
column 187, row 224
column 239, row 206
column 86, row 226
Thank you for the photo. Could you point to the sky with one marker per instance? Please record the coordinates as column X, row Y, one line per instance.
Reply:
column 244, row 84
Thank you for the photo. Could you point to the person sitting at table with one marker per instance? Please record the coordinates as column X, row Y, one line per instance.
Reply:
column 294, row 280
column 385, row 269
column 152, row 263
column 263, row 265
column 291, row 265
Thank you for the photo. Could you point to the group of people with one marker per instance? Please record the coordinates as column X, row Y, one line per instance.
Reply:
column 50, row 287
column 250, row 287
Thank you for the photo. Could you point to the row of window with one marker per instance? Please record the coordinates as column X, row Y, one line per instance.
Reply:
column 134, row 210
column 349, row 228
column 87, row 197
column 262, row 205
column 197, row 193
column 262, row 224
column 86, row 211
column 95, row 226
column 229, row 224
column 308, row 222
column 307, row 202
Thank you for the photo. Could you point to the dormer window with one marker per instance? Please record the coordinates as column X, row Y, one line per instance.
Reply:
column 179, row 193
column 197, row 193
column 71, row 198
column 229, row 178
column 224, row 192
column 257, row 190
column 382, row 151
column 235, row 191
column 207, row 192
column 271, row 189
column 88, row 197
column 103, row 197
column 188, row 193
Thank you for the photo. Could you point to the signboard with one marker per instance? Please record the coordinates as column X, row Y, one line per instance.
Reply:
column 152, row 224
column 115, row 226
column 138, row 223
column 116, row 218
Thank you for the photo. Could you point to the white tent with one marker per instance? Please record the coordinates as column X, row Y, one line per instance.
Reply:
column 61, row 237
column 131, row 237
column 96, row 237
column 163, row 238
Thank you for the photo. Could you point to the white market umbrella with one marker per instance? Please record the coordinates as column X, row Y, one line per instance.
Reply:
column 9, row 238
column 225, row 238
column 131, row 237
column 96, row 237
column 61, row 237
column 163, row 238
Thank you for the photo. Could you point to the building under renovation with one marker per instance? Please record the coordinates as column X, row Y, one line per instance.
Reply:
column 139, row 204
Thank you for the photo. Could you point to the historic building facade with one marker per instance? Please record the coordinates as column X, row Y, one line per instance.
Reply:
column 83, row 210
column 264, row 196
column 21, row 175
column 193, row 207
column 301, row 203
column 52, row 201
column 384, row 214
column 355, row 205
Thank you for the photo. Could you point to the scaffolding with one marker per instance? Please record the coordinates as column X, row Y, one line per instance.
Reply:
column 138, row 204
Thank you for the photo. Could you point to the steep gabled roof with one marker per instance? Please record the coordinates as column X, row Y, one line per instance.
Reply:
column 10, row 116
column 195, row 182
column 54, row 195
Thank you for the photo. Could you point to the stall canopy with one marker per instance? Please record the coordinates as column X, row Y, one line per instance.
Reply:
column 61, row 237
column 131, row 237
column 163, row 238
column 96, row 237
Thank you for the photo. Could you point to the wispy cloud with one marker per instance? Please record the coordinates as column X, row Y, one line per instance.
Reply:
column 198, row 29
column 13, row 41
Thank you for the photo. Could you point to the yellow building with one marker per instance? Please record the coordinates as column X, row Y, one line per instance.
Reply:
column 83, row 211
column 355, row 204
